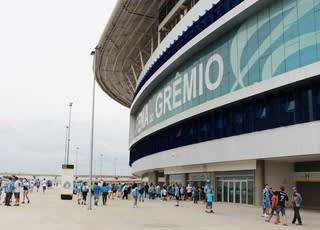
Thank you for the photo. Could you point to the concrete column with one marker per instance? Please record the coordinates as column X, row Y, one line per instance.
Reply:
column 167, row 182
column 153, row 177
column 259, row 181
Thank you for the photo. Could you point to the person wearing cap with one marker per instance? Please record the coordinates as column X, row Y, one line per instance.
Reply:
column 296, row 201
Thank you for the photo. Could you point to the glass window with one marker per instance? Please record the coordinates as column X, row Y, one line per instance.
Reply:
column 261, row 111
column 291, row 105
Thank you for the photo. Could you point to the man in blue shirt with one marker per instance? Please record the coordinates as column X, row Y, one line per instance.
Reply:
column 296, row 201
column 96, row 193
column 9, row 191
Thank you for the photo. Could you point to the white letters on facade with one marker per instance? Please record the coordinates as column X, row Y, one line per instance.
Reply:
column 215, row 58
column 159, row 105
column 176, row 87
column 167, row 92
column 185, row 87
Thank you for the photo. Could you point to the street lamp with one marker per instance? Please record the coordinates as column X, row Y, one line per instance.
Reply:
column 115, row 166
column 92, row 126
column 65, row 145
column 68, row 148
column 101, row 161
column 77, row 151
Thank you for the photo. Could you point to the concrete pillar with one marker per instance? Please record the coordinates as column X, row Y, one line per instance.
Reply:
column 259, row 181
column 166, row 178
column 153, row 177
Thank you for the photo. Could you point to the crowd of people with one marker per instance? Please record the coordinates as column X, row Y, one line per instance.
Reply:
column 276, row 202
column 15, row 191
column 12, row 189
column 102, row 191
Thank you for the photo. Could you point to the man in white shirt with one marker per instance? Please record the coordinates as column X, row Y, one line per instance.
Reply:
column 44, row 185
column 16, row 190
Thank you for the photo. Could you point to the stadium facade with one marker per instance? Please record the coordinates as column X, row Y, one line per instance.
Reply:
column 226, row 91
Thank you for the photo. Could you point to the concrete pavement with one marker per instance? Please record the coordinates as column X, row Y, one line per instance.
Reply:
column 49, row 212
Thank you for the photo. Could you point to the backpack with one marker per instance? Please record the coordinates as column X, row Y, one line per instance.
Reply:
column 274, row 201
column 84, row 188
column 134, row 192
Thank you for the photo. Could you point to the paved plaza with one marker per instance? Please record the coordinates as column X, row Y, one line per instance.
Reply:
column 49, row 212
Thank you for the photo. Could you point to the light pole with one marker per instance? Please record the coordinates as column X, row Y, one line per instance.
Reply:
column 115, row 166
column 92, row 127
column 77, row 152
column 65, row 146
column 101, row 162
column 68, row 148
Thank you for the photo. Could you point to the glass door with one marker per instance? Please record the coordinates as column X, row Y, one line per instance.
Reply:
column 237, row 192
column 225, row 191
column 244, row 192
column 231, row 191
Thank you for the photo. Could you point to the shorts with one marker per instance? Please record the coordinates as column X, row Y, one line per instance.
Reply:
column 209, row 203
column 266, row 204
column 17, row 195
column 281, row 209
column 177, row 197
column 273, row 210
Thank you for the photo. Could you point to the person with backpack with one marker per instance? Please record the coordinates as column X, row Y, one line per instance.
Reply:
column 296, row 201
column 125, row 191
column 134, row 194
column 274, row 204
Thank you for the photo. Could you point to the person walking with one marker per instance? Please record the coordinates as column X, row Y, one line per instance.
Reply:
column 96, row 193
column 282, row 204
column 26, row 188
column 44, row 185
column 134, row 194
column 296, row 201
column 17, row 189
column 105, row 191
column 84, row 191
column 141, row 193
column 209, row 199
column 9, row 190
column 125, row 191
column 177, row 194
column 265, row 201
column 274, row 204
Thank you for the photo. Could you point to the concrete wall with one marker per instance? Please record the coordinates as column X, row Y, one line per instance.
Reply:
column 280, row 174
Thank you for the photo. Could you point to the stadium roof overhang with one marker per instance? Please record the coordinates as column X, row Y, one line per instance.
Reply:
column 125, row 46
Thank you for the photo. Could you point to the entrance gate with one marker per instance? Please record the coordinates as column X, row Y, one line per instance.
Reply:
column 235, row 189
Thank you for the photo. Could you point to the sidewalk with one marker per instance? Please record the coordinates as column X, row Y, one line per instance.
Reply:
column 49, row 212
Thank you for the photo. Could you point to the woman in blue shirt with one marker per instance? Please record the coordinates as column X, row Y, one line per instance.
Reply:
column 104, row 190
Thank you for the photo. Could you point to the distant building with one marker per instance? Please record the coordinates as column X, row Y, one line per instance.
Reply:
column 226, row 91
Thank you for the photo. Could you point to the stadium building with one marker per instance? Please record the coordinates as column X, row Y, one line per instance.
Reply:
column 226, row 91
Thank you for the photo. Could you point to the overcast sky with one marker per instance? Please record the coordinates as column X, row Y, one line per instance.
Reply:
column 45, row 63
